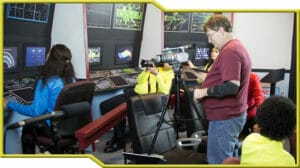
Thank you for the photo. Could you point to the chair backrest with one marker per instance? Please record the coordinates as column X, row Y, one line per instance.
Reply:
column 75, row 100
column 76, row 92
column 76, row 115
column 144, row 112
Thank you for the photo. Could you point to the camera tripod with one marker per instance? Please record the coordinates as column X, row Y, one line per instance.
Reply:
column 176, row 85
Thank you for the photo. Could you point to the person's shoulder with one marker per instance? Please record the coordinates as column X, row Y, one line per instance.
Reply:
column 253, row 75
column 253, row 137
column 55, row 81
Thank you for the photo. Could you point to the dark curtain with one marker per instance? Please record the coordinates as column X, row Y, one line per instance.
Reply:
column 293, row 75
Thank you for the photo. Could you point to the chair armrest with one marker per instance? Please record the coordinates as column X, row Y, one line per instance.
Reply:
column 88, row 134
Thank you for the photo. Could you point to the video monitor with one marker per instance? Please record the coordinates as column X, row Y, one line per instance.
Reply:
column 94, row 54
column 202, row 53
column 128, row 16
column 99, row 15
column 35, row 57
column 10, row 59
column 33, row 12
column 201, row 56
column 177, row 21
column 124, row 54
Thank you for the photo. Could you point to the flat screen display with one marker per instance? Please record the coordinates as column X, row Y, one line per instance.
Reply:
column 201, row 53
column 94, row 55
column 124, row 54
column 176, row 21
column 10, row 55
column 35, row 56
column 128, row 16
column 34, row 12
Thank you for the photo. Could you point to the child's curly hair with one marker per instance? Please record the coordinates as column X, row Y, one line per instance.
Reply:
column 276, row 117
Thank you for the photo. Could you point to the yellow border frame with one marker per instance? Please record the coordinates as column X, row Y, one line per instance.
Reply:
column 165, row 9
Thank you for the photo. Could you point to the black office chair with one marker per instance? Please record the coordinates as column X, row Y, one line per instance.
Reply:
column 75, row 102
column 144, row 115
column 144, row 112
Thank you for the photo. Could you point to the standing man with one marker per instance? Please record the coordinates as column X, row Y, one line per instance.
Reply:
column 224, row 90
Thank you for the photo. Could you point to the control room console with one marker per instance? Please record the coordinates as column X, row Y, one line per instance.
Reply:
column 20, row 90
column 106, row 80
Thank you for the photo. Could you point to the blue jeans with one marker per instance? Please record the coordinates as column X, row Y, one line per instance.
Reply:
column 223, row 138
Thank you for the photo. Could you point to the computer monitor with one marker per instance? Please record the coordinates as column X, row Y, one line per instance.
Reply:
column 33, row 12
column 94, row 54
column 128, row 16
column 201, row 56
column 35, row 57
column 202, row 53
column 10, row 59
column 124, row 54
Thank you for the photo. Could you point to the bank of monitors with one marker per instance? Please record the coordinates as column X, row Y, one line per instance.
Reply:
column 124, row 54
column 95, row 57
column 18, row 57
column 34, row 57
column 11, row 58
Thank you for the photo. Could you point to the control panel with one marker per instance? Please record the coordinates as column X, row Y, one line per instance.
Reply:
column 19, row 90
column 113, row 79
column 13, row 84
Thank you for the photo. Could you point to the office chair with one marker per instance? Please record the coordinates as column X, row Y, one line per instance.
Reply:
column 144, row 113
column 75, row 101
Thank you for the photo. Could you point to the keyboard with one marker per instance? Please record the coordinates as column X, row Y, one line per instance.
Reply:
column 25, row 94
column 118, row 80
column 190, row 75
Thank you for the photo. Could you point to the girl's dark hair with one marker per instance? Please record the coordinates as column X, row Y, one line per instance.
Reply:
column 59, row 64
column 210, row 60
column 209, row 64
column 276, row 117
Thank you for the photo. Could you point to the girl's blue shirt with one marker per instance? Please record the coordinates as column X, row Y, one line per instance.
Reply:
column 44, row 98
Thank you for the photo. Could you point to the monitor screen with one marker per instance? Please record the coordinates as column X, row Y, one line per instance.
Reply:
column 35, row 56
column 94, row 55
column 33, row 12
column 124, row 54
column 10, row 56
column 201, row 53
column 128, row 16
column 176, row 21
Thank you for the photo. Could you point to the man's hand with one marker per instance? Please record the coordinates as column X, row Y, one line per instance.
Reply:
column 191, row 65
column 200, row 93
column 201, row 76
